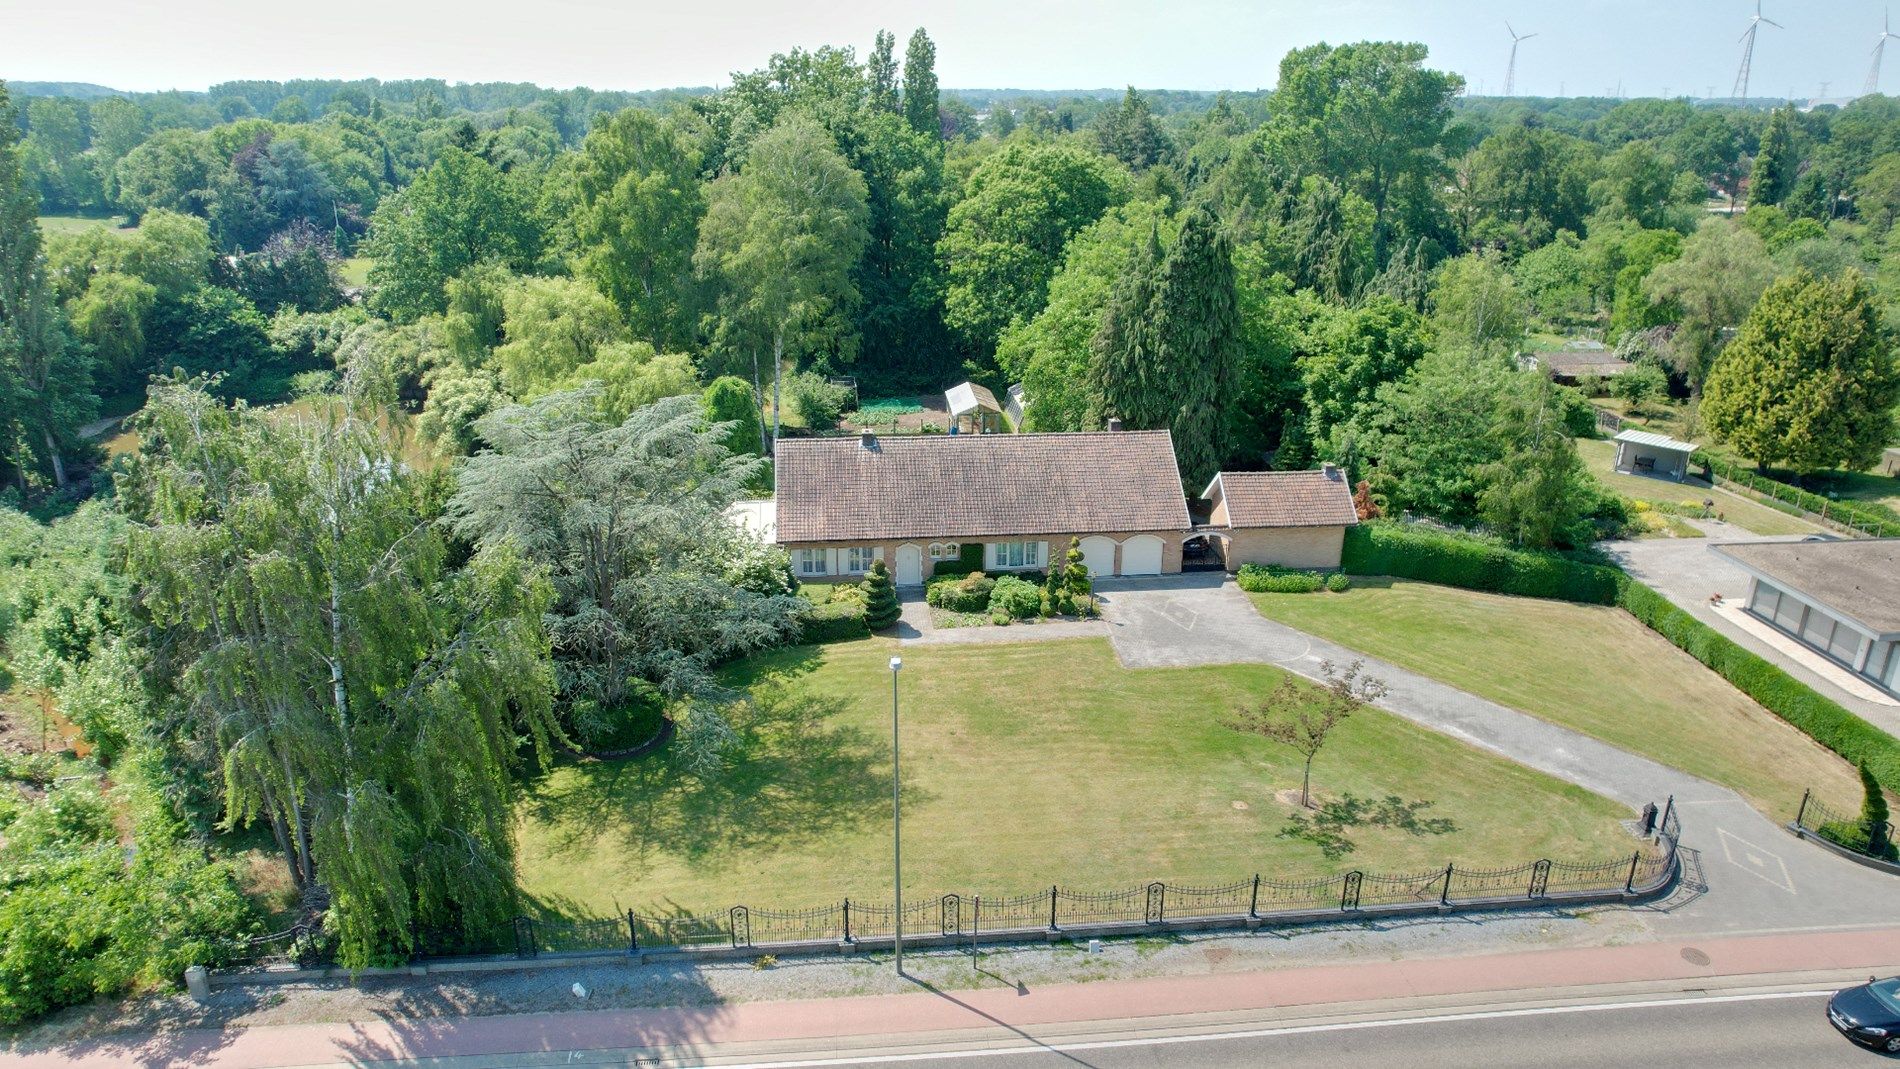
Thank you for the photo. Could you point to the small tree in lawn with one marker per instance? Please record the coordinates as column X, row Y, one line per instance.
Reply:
column 1076, row 581
column 1873, row 813
column 1297, row 717
column 880, row 597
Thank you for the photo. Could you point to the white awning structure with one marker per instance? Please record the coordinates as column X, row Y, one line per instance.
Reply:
column 1657, row 441
column 967, row 397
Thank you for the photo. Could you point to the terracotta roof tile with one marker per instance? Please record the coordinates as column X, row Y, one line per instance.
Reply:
column 1287, row 499
column 977, row 485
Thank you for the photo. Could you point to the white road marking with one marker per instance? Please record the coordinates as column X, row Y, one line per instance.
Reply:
column 1755, row 854
column 1260, row 1033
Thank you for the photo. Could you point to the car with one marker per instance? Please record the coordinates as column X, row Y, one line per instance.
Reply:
column 1821, row 538
column 1869, row 1014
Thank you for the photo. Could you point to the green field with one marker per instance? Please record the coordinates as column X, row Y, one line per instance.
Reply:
column 1024, row 765
column 1592, row 668
column 355, row 270
column 73, row 224
column 1599, row 456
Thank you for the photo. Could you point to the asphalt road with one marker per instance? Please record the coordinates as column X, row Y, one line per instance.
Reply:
column 1756, row 1029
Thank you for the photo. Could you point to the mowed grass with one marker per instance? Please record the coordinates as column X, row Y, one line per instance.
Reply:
column 354, row 270
column 1025, row 765
column 1592, row 668
column 74, row 224
column 1600, row 457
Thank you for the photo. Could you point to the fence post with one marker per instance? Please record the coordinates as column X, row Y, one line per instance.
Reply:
column 847, row 920
column 633, row 935
column 1052, row 907
column 1629, row 884
column 1803, row 811
column 1444, row 896
column 1253, row 904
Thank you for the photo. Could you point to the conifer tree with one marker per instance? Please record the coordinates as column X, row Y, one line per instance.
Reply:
column 1774, row 172
column 1873, row 813
column 880, row 597
column 1076, row 580
column 1197, row 332
column 1124, row 382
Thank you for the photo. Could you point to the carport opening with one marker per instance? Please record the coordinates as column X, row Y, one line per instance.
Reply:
column 1204, row 553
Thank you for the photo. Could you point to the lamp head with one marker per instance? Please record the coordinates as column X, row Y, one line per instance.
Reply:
column 896, row 663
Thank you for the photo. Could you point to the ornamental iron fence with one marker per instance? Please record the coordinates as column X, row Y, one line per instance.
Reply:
column 1825, row 821
column 1258, row 899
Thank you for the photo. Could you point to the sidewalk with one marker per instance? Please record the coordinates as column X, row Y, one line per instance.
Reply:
column 934, row 1011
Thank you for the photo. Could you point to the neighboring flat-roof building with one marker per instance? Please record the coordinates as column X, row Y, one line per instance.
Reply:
column 1841, row 599
column 1646, row 453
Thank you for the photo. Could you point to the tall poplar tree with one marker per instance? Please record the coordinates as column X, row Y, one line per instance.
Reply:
column 1773, row 175
column 1124, row 371
column 920, row 85
column 881, row 71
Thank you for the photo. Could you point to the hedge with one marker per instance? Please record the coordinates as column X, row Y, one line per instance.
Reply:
column 969, row 559
column 1849, row 512
column 968, row 593
column 1016, row 598
column 834, row 621
column 1435, row 556
column 1259, row 580
column 1790, row 699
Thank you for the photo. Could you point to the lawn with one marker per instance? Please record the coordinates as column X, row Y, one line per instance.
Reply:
column 1592, row 668
column 74, row 224
column 1599, row 456
column 355, row 271
column 1024, row 765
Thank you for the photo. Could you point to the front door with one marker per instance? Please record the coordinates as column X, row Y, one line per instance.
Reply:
column 910, row 566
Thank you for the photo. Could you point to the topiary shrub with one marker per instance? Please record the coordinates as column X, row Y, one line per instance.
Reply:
column 834, row 621
column 969, row 561
column 1016, row 598
column 968, row 593
column 1258, row 579
column 1338, row 582
column 881, row 609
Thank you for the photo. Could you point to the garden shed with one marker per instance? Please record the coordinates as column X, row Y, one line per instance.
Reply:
column 1648, row 453
column 973, row 409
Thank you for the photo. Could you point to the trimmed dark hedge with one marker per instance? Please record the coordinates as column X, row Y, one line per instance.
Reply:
column 834, row 621
column 969, row 559
column 1466, row 561
column 1435, row 556
column 1256, row 579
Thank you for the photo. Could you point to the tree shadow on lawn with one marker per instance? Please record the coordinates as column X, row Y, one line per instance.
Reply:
column 796, row 777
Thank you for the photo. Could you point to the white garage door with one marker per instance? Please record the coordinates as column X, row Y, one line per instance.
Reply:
column 1141, row 555
column 1098, row 552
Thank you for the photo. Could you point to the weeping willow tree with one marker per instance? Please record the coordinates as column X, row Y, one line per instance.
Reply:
column 359, row 692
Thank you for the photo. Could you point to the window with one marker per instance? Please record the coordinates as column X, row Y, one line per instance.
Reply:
column 1018, row 554
column 1818, row 631
column 810, row 561
column 1845, row 645
column 857, row 559
column 1788, row 614
column 1762, row 603
column 945, row 551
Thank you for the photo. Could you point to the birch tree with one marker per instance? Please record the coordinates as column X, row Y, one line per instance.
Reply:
column 359, row 694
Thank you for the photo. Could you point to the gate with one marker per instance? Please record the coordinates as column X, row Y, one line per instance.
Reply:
column 1349, row 894
column 1157, row 903
column 1540, row 878
column 952, row 915
column 740, row 925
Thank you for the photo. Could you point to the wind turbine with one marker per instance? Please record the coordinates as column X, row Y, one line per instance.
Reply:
column 1748, row 50
column 1510, row 72
column 1880, row 48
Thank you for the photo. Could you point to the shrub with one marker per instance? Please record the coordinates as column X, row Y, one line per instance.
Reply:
column 969, row 561
column 969, row 593
column 1016, row 598
column 1338, row 582
column 1794, row 497
column 1474, row 563
column 834, row 621
column 880, row 598
column 1257, row 579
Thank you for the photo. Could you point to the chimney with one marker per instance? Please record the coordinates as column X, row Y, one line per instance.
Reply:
column 867, row 438
column 1330, row 471
column 1115, row 423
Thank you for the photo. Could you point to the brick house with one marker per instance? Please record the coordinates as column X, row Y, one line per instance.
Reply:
column 913, row 501
column 1293, row 519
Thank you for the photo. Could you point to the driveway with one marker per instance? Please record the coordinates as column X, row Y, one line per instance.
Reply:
column 1688, row 570
column 1743, row 872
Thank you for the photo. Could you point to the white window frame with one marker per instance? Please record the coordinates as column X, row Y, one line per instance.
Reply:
column 853, row 556
column 1017, row 555
column 810, row 562
column 945, row 550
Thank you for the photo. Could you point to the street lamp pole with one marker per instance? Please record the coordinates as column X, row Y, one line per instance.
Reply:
column 897, row 830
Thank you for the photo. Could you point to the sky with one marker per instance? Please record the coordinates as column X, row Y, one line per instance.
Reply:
column 1583, row 47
